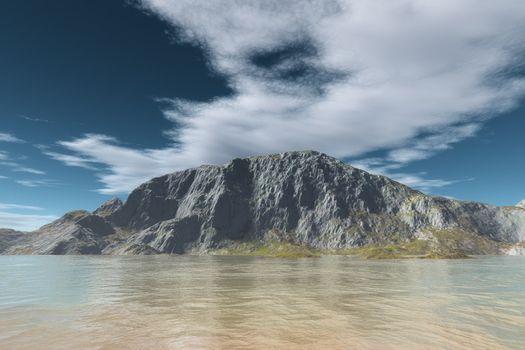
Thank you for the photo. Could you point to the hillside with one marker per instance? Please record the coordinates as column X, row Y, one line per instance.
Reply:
column 304, row 199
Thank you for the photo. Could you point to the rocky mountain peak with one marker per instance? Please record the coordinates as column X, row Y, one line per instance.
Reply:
column 109, row 207
column 304, row 197
column 521, row 204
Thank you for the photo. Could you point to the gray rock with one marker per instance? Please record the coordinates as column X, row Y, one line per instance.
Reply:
column 8, row 238
column 77, row 232
column 303, row 197
column 109, row 207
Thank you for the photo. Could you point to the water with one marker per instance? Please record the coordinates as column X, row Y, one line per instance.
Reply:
column 206, row 302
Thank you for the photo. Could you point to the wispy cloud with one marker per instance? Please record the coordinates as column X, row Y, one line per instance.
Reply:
column 72, row 160
column 24, row 222
column 342, row 77
column 29, row 170
column 5, row 137
column 125, row 168
column 4, row 206
column 37, row 183
column 422, row 183
column 416, row 150
column 21, row 221
column 23, row 169
column 426, row 147
column 419, row 181
column 37, row 120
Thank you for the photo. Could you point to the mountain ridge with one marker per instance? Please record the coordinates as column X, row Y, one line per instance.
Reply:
column 304, row 197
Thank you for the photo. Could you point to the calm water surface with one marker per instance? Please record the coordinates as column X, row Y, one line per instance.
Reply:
column 206, row 302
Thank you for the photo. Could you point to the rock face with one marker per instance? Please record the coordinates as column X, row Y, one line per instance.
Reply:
column 521, row 204
column 77, row 232
column 302, row 197
column 8, row 238
column 109, row 207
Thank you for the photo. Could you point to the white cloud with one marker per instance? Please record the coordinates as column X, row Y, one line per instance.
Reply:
column 402, row 69
column 5, row 137
column 37, row 120
column 24, row 222
column 419, row 182
column 4, row 206
column 72, row 160
column 127, row 167
column 36, row 183
column 428, row 146
column 23, row 169
column 415, row 150
column 29, row 170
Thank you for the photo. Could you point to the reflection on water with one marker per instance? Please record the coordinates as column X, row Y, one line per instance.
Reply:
column 206, row 302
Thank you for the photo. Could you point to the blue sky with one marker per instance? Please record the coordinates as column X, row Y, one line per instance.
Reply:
column 97, row 97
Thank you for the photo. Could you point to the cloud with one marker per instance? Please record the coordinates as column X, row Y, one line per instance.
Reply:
column 37, row 183
column 24, row 222
column 17, row 167
column 4, row 206
column 29, row 170
column 419, row 149
column 37, row 120
column 5, row 137
column 428, row 146
column 72, row 160
column 421, row 183
column 23, row 169
column 341, row 77
column 124, row 168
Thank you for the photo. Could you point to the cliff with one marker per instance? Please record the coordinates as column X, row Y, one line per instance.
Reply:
column 303, row 198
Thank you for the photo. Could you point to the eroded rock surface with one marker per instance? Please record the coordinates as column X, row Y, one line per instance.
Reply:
column 108, row 208
column 302, row 197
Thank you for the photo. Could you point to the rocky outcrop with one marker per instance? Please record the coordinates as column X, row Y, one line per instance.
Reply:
column 521, row 204
column 109, row 207
column 301, row 197
column 9, row 238
column 77, row 232
column 517, row 249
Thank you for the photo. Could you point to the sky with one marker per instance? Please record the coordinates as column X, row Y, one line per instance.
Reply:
column 99, row 96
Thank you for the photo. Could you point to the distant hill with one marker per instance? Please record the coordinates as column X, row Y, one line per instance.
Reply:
column 300, row 198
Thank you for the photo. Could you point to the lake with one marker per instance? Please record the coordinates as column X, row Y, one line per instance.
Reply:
column 216, row 302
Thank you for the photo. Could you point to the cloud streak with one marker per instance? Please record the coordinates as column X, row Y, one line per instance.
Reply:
column 37, row 183
column 24, row 222
column 37, row 120
column 5, row 137
column 341, row 77
column 21, row 168
column 4, row 206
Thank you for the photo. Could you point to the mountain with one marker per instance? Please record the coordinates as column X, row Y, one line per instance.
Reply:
column 521, row 204
column 302, row 198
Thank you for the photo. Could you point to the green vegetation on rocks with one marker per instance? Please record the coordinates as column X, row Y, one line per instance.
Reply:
column 270, row 249
column 421, row 249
